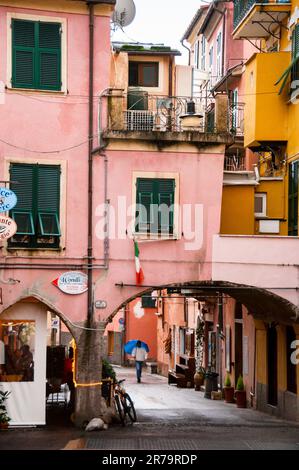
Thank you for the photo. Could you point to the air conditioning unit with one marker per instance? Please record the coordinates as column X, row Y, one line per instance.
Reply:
column 139, row 120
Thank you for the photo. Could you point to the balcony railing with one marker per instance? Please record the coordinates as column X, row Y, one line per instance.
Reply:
column 242, row 7
column 140, row 111
column 234, row 163
column 236, row 119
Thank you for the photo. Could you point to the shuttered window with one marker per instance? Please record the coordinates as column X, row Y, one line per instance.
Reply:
column 295, row 53
column 293, row 198
column 36, row 55
column 155, row 205
column 37, row 211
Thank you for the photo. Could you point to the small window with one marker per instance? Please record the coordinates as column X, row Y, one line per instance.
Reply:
column 49, row 224
column 155, row 205
column 145, row 74
column 260, row 205
column 24, row 221
column 148, row 302
column 36, row 55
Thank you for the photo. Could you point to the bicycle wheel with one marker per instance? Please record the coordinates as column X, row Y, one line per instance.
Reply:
column 129, row 407
column 119, row 409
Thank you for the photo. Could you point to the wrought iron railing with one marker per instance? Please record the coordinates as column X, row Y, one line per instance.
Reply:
column 234, row 163
column 236, row 119
column 141, row 111
column 242, row 7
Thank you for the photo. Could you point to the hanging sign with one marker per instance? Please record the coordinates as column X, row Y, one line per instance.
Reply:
column 8, row 228
column 72, row 282
column 8, row 199
column 100, row 304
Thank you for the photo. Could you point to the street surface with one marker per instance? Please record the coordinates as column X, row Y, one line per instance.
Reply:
column 168, row 419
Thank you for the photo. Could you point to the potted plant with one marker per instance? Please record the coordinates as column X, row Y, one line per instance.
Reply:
column 4, row 418
column 240, row 393
column 199, row 378
column 228, row 390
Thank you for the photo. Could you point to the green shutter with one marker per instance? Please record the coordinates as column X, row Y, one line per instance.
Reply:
column 293, row 198
column 295, row 54
column 23, row 185
column 48, row 199
column 157, row 196
column 23, row 54
column 145, row 198
column 36, row 55
column 165, row 202
column 49, row 56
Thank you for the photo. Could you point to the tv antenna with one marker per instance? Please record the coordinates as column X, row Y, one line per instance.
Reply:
column 124, row 13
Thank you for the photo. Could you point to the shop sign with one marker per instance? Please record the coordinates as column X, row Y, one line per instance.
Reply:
column 72, row 282
column 100, row 304
column 8, row 228
column 8, row 199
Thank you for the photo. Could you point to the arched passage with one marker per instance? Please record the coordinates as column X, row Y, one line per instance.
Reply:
column 236, row 329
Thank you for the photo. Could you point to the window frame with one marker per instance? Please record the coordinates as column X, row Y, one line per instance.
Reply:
column 63, row 50
column 32, row 242
column 140, row 73
column 263, row 197
column 176, row 235
column 219, row 47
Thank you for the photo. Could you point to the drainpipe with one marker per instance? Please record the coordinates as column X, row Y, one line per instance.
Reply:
column 189, row 51
column 90, row 312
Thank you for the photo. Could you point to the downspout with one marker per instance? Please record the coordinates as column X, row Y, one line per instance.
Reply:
column 189, row 51
column 90, row 167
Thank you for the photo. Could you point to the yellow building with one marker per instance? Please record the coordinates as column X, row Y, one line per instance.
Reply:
column 271, row 132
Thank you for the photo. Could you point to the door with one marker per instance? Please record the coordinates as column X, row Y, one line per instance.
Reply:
column 238, row 349
column 272, row 365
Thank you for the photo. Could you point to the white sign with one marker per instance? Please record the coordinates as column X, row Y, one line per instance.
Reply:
column 100, row 304
column 8, row 228
column 72, row 282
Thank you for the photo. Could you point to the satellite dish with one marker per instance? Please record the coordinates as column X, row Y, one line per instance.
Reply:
column 124, row 12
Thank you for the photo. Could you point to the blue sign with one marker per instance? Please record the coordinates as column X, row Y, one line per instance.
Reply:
column 121, row 321
column 8, row 199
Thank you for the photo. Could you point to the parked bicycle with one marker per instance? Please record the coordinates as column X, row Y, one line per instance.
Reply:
column 124, row 404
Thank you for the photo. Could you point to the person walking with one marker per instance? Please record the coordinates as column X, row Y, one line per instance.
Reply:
column 140, row 355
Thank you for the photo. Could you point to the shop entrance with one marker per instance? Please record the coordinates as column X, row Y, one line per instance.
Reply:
column 35, row 364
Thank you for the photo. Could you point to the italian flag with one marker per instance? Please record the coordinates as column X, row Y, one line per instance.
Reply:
column 139, row 272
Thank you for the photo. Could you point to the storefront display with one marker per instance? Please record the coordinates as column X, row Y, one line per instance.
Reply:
column 17, row 340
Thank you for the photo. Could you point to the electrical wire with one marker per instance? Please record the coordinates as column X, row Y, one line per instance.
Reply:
column 48, row 151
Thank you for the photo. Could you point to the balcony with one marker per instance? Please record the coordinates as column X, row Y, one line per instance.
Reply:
column 266, row 112
column 236, row 119
column 259, row 19
column 141, row 116
column 234, row 163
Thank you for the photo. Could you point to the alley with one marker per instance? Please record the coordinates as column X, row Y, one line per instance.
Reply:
column 171, row 418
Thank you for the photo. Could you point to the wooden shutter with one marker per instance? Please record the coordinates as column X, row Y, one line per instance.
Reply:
column 23, row 54
column 145, row 198
column 295, row 53
column 23, row 185
column 293, row 198
column 165, row 190
column 49, row 56
column 48, row 199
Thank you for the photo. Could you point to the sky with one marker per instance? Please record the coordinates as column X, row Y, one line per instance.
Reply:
column 161, row 21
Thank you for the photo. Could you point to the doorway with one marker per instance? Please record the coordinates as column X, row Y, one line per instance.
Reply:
column 272, row 364
column 238, row 341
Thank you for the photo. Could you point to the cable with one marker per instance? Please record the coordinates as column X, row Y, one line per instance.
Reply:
column 83, row 327
column 50, row 151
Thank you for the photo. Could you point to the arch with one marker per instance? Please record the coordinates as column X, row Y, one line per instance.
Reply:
column 261, row 303
column 39, row 298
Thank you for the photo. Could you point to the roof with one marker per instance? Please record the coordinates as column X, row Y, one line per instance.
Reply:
column 137, row 48
column 212, row 8
column 194, row 20
column 232, row 72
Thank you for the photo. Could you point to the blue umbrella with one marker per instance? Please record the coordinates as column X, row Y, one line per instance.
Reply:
column 130, row 345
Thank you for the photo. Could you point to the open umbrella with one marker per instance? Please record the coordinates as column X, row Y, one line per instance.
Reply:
column 130, row 345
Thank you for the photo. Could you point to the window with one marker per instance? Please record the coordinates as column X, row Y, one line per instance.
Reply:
column 295, row 53
column 155, row 205
column 17, row 347
column 36, row 55
column 196, row 55
column 144, row 74
column 260, row 205
column 219, row 55
column 293, row 198
column 37, row 211
column 203, row 53
column 147, row 301
column 211, row 53
column 235, row 99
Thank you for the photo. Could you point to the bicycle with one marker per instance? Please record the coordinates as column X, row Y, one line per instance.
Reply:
column 124, row 404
